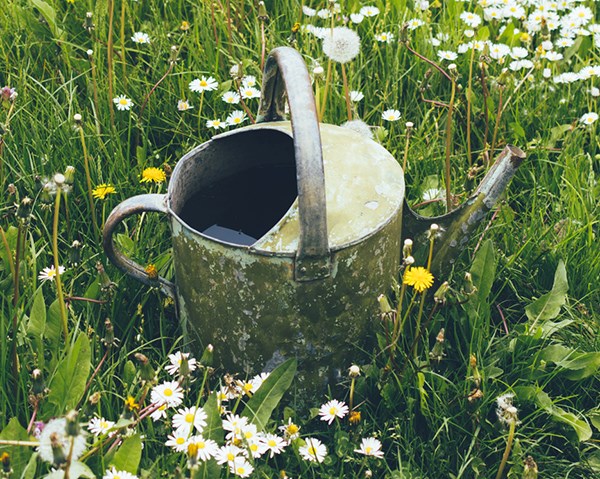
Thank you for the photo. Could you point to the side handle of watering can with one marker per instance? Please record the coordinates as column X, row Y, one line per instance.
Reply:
column 285, row 75
column 131, row 206
column 458, row 225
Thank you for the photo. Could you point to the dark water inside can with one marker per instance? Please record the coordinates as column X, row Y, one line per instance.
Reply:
column 241, row 208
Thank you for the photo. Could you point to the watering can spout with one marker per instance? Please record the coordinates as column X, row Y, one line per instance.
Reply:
column 458, row 225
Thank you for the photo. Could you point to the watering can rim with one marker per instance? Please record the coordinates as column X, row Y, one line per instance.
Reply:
column 378, row 221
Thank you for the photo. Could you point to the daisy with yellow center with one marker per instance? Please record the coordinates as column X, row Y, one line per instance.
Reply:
column 123, row 103
column 103, row 190
column 48, row 274
column 419, row 278
column 153, row 175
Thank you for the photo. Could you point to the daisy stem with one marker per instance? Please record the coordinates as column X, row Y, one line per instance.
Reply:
column 449, row 147
column 109, row 53
column 509, row 441
column 346, row 93
column 351, row 399
column 200, row 112
column 469, row 95
column 88, row 179
column 418, row 325
column 61, row 299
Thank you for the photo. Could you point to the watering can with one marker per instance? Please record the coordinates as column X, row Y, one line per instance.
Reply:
column 285, row 233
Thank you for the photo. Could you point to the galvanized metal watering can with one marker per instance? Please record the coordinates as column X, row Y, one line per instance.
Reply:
column 284, row 233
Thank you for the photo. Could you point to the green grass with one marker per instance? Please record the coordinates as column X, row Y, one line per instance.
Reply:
column 435, row 418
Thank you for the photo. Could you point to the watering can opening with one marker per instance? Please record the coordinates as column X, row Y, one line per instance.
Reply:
column 237, row 187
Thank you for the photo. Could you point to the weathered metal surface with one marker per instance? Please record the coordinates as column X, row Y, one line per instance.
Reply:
column 251, row 309
column 458, row 225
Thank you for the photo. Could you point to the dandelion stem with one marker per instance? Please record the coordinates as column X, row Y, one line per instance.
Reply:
column 469, row 96
column 325, row 91
column 110, row 55
column 61, row 299
column 346, row 93
column 449, row 147
column 509, row 441
column 122, row 34
column 88, row 179
column 405, row 161
column 263, row 44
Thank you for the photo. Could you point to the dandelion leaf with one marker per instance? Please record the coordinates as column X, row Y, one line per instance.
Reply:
column 483, row 271
column 68, row 384
column 53, row 327
column 49, row 15
column 260, row 406
column 77, row 470
column 19, row 455
column 31, row 467
column 128, row 456
column 214, row 431
column 548, row 306
column 580, row 367
column 579, row 425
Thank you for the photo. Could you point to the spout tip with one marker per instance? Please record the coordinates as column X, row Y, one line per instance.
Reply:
column 517, row 155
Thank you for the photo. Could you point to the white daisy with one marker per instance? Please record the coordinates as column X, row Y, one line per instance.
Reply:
column 140, row 37
column 48, row 274
column 207, row 448
column 447, row 55
column 178, row 440
column 356, row 96
column 215, row 124
column 313, row 450
column 369, row 11
column 98, row 426
column 391, row 115
column 183, row 105
column 236, row 118
column 169, row 393
column 589, row 118
column 332, row 409
column 231, row 97
column 250, row 92
column 176, row 359
column 384, row 37
column 203, row 84
column 414, row 23
column 123, row 103
column 309, row 12
column 249, row 81
column 241, row 467
column 274, row 444
column 116, row 474
column 370, row 446
column 291, row 431
column 229, row 453
column 189, row 417
column 356, row 17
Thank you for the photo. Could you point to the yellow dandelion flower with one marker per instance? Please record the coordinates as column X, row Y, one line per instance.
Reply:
column 185, row 25
column 101, row 191
column 419, row 278
column 354, row 417
column 153, row 174
column 130, row 403
column 151, row 271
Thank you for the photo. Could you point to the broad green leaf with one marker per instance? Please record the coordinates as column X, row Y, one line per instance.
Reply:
column 30, row 468
column 128, row 456
column 53, row 330
column 580, row 367
column 49, row 15
column 19, row 455
column 580, row 426
column 548, row 306
column 68, row 384
column 593, row 461
column 595, row 418
column 551, row 327
column 483, row 271
column 213, row 429
column 37, row 318
column 555, row 353
column 260, row 406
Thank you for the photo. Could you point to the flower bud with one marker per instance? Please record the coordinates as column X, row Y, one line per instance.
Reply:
column 57, row 450
column 440, row 295
column 354, row 371
column 469, row 287
column 146, row 370
column 24, row 208
column 207, row 356
column 384, row 305
column 59, row 180
column 530, row 469
column 262, row 12
column 407, row 248
column 39, row 385
column 5, row 460
column 72, row 423
column 69, row 175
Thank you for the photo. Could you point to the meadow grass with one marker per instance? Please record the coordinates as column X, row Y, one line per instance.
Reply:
column 524, row 323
